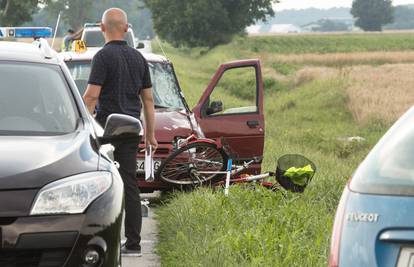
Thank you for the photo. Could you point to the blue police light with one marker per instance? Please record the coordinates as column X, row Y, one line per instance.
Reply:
column 32, row 32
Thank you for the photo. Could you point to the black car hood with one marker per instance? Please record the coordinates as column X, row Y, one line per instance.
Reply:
column 34, row 161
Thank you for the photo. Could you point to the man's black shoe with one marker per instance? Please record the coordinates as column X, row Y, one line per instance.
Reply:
column 126, row 252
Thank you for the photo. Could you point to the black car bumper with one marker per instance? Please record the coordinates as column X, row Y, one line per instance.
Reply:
column 56, row 241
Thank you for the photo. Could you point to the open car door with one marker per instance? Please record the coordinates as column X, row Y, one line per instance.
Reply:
column 232, row 107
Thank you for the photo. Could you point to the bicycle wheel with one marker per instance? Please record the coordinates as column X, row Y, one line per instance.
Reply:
column 189, row 164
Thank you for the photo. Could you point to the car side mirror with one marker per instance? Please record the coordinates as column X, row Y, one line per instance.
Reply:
column 215, row 107
column 141, row 45
column 120, row 127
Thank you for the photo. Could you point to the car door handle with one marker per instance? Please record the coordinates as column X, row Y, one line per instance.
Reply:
column 397, row 236
column 253, row 124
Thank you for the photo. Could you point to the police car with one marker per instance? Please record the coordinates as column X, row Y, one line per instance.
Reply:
column 93, row 37
column 242, row 125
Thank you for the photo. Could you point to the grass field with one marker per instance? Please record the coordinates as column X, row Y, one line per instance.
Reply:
column 308, row 110
column 328, row 43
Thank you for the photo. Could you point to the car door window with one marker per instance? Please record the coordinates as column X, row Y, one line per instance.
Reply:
column 235, row 93
column 231, row 109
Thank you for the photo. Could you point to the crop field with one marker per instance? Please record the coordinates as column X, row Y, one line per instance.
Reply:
column 329, row 43
column 312, row 102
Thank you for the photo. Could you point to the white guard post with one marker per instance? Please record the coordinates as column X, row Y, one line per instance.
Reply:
column 145, row 208
column 149, row 165
column 228, row 176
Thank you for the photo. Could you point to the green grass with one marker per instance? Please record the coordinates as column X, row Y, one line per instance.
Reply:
column 284, row 68
column 328, row 43
column 259, row 227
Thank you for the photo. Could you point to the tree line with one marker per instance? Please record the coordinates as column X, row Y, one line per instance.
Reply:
column 188, row 23
column 74, row 13
column 182, row 23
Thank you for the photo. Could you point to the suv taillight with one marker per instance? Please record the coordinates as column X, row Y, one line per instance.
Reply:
column 337, row 230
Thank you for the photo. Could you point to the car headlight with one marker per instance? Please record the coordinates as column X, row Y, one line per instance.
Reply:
column 71, row 195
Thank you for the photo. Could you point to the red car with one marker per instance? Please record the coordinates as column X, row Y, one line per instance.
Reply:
column 240, row 121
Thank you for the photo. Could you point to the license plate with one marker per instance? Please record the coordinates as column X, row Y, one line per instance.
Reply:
column 141, row 165
column 406, row 258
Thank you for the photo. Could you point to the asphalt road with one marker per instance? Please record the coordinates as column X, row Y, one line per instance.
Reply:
column 148, row 241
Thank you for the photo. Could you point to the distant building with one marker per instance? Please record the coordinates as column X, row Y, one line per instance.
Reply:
column 254, row 29
column 284, row 28
column 332, row 24
column 310, row 27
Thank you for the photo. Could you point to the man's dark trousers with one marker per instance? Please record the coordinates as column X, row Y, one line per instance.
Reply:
column 125, row 154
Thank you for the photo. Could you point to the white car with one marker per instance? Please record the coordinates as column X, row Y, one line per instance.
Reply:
column 93, row 37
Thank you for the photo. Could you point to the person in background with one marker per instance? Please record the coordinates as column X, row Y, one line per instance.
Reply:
column 120, row 83
column 67, row 40
column 70, row 36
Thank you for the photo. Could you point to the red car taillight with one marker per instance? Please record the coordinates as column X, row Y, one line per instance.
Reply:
column 337, row 230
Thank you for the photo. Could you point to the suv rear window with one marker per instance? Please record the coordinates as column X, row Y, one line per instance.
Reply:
column 96, row 39
column 389, row 167
column 35, row 100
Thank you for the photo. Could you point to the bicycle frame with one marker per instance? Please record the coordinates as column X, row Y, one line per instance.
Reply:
column 216, row 169
column 236, row 169
column 212, row 156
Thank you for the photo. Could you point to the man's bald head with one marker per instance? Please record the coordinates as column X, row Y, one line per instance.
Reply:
column 115, row 21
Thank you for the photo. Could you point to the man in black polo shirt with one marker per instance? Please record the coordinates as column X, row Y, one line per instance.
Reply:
column 119, row 80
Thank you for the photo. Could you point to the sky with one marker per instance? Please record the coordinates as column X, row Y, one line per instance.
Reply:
column 301, row 4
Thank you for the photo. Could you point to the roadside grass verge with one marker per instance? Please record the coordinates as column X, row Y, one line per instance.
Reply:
column 248, row 228
column 309, row 110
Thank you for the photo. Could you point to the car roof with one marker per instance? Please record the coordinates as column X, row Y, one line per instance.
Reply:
column 97, row 28
column 90, row 53
column 89, row 25
column 24, row 52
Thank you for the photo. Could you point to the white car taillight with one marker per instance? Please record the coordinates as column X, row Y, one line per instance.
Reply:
column 337, row 230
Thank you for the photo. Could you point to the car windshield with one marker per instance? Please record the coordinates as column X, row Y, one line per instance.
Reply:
column 165, row 86
column 96, row 39
column 34, row 100
column 389, row 168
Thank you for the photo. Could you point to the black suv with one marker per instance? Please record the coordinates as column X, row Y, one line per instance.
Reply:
column 61, row 197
